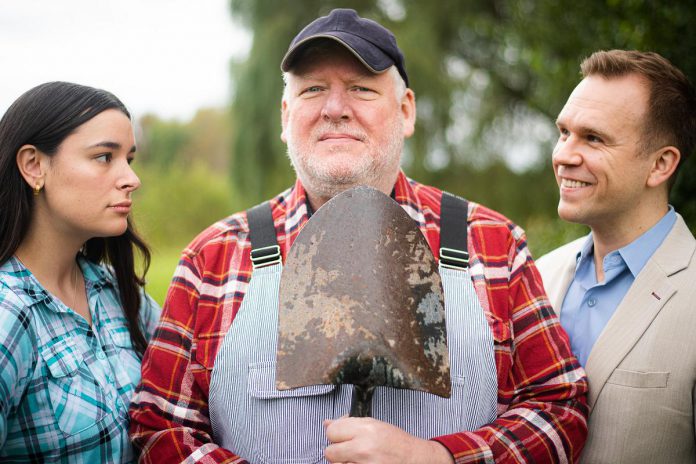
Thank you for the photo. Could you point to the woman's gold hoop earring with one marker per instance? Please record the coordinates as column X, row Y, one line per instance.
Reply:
column 37, row 189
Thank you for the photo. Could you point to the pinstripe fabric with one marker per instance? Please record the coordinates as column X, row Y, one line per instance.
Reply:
column 474, row 384
column 541, row 405
column 243, row 387
column 244, row 403
column 65, row 388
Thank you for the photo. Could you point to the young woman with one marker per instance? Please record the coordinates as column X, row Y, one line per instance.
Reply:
column 74, row 321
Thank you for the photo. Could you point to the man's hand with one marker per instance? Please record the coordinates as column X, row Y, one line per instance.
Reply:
column 363, row 440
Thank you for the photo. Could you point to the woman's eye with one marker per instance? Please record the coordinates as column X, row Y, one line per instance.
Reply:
column 104, row 158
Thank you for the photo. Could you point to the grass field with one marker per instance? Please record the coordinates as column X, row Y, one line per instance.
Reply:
column 159, row 276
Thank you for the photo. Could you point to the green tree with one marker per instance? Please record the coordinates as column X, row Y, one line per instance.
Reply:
column 185, row 188
column 490, row 78
column 160, row 141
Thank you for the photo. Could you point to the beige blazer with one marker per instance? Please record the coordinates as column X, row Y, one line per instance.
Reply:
column 642, row 369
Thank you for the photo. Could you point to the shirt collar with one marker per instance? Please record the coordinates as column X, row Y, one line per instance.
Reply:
column 294, row 204
column 637, row 253
column 23, row 283
column 585, row 252
column 95, row 275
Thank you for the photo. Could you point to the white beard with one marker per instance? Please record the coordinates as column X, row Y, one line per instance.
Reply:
column 374, row 169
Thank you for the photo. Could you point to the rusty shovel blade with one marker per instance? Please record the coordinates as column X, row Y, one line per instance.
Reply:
column 361, row 302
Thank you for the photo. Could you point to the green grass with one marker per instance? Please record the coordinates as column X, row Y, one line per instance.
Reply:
column 159, row 276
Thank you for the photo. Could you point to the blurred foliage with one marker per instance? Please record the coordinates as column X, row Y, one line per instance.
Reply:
column 204, row 140
column 490, row 78
column 177, row 202
column 185, row 186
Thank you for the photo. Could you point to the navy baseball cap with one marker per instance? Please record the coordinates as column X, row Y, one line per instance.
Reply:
column 373, row 44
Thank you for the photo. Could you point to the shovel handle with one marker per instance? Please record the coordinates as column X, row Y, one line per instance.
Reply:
column 361, row 403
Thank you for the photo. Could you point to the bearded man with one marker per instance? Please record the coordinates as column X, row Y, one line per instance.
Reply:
column 208, row 390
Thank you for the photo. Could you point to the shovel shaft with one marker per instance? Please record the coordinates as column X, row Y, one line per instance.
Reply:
column 361, row 404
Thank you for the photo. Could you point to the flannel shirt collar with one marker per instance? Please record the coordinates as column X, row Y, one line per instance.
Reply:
column 24, row 285
column 294, row 205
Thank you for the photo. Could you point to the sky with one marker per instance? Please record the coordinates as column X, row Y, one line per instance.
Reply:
column 167, row 57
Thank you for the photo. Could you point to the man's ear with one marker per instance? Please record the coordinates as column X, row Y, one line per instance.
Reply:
column 663, row 167
column 408, row 109
column 31, row 165
column 284, row 120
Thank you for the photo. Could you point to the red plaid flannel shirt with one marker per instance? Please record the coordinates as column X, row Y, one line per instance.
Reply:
column 541, row 387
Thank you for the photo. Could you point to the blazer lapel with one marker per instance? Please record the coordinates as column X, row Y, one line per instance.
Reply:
column 642, row 303
column 557, row 294
column 644, row 300
column 560, row 271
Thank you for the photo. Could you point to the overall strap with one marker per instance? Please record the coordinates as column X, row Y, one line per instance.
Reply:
column 264, row 245
column 454, row 212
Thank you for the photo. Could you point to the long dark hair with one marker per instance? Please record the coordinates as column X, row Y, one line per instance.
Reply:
column 44, row 116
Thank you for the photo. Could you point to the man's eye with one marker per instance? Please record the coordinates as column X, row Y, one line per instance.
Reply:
column 104, row 158
column 312, row 89
column 593, row 138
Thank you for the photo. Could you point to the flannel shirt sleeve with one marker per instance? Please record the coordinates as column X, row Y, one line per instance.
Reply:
column 169, row 412
column 542, row 409
column 17, row 357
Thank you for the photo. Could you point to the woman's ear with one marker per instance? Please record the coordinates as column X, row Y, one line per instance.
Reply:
column 29, row 162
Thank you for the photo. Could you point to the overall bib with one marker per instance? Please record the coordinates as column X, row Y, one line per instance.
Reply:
column 263, row 425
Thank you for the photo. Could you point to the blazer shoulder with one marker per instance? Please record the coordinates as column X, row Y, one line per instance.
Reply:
column 678, row 251
column 558, row 258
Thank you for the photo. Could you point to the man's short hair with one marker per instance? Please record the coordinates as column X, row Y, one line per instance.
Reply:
column 671, row 115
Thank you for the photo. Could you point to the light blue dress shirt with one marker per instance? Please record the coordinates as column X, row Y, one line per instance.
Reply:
column 588, row 305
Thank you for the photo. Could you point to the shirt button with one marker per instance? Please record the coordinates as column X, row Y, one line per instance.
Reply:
column 101, row 355
column 591, row 302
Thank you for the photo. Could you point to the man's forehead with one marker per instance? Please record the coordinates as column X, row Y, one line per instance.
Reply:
column 622, row 97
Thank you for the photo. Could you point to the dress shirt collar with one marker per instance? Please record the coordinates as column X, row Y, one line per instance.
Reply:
column 637, row 253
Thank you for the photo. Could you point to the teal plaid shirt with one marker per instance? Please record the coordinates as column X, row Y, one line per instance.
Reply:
column 65, row 387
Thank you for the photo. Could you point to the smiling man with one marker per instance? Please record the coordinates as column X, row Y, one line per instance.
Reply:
column 626, row 292
column 208, row 392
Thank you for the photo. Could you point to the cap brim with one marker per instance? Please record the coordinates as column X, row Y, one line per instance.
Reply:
column 370, row 55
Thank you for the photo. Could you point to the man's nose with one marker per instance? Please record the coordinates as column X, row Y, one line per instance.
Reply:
column 336, row 106
column 567, row 152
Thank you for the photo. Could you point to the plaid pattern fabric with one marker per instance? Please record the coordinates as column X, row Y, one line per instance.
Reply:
column 65, row 387
column 541, row 397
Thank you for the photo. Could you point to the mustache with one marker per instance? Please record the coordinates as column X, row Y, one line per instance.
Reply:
column 327, row 128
